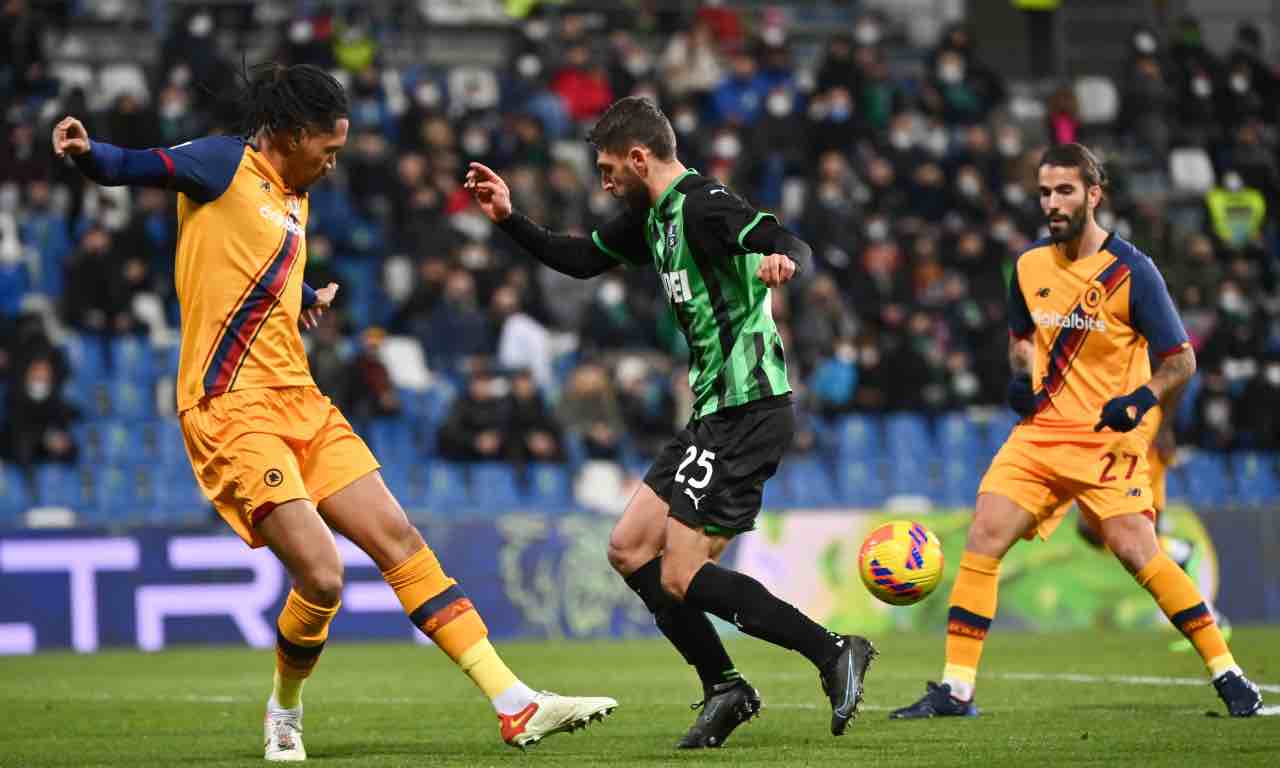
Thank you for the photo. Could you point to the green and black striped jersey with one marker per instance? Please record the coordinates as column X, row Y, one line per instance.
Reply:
column 694, row 237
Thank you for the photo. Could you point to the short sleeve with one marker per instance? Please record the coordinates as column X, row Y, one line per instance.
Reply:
column 1020, row 324
column 622, row 239
column 1151, row 310
column 203, row 169
column 722, row 219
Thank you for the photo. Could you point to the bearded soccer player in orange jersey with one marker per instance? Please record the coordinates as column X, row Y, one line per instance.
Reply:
column 279, row 462
column 1084, row 309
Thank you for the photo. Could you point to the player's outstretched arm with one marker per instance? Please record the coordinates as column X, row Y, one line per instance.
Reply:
column 202, row 169
column 574, row 256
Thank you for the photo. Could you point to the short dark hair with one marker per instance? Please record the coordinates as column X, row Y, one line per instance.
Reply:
column 1076, row 156
column 279, row 98
column 634, row 120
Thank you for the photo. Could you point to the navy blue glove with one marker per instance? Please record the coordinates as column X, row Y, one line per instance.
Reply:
column 1115, row 413
column 1022, row 396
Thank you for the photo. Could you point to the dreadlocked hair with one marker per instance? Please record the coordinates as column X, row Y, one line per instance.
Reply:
column 276, row 98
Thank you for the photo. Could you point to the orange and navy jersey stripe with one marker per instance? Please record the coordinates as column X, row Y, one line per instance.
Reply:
column 249, row 318
column 1070, row 339
column 1092, row 322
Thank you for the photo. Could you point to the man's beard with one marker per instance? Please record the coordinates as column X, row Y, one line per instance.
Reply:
column 635, row 195
column 1075, row 228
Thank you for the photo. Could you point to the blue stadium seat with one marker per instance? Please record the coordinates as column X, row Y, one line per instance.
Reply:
column 550, row 487
column 859, row 438
column 123, row 494
column 777, row 495
column 131, row 358
column 807, row 482
column 121, row 443
column 59, row 485
column 998, row 429
column 171, row 449
column 446, row 487
column 907, row 438
column 15, row 497
column 493, row 487
column 959, row 482
column 179, row 499
column 92, row 396
column 1207, row 477
column 958, row 437
column 132, row 399
column 1175, row 486
column 391, row 440
column 86, row 353
column 861, row 482
column 1257, row 477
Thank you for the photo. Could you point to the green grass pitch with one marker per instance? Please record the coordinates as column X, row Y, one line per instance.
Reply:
column 1047, row 699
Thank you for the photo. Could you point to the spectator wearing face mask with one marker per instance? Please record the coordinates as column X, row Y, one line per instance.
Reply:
column 777, row 147
column 38, row 426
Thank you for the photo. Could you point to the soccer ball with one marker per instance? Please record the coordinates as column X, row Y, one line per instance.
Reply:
column 900, row 562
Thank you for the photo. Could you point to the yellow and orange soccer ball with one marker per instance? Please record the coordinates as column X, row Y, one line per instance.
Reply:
column 900, row 562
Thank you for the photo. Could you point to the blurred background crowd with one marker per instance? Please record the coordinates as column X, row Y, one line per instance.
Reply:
column 881, row 137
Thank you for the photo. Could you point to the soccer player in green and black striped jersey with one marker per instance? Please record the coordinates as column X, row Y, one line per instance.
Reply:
column 717, row 258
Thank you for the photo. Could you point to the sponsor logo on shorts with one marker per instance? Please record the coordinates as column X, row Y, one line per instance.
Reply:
column 697, row 500
column 273, row 477
column 1135, row 492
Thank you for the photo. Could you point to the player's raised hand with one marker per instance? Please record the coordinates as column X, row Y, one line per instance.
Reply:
column 324, row 298
column 70, row 137
column 776, row 269
column 489, row 191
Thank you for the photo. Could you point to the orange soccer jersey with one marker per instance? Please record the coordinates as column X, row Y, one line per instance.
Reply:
column 1093, row 322
column 239, row 309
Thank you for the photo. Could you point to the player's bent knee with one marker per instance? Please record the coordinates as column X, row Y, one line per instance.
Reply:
column 321, row 585
column 625, row 554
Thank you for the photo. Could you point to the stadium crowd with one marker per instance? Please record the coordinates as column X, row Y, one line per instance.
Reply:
column 914, row 183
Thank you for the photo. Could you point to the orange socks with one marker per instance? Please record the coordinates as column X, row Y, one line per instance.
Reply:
column 973, row 605
column 301, row 631
column 1178, row 597
column 437, row 606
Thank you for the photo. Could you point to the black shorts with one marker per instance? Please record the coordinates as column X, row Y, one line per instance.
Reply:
column 713, row 473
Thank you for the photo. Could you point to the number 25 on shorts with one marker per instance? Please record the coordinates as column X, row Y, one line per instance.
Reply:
column 704, row 459
column 1109, row 461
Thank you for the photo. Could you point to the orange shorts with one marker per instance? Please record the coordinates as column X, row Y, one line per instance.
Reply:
column 254, row 449
column 1044, row 477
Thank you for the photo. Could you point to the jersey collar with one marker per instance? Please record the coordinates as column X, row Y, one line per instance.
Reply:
column 1063, row 261
column 659, row 206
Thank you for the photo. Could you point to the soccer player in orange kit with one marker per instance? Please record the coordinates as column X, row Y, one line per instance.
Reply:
column 1085, row 307
column 275, row 457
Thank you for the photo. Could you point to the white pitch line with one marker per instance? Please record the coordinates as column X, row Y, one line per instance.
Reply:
column 1064, row 677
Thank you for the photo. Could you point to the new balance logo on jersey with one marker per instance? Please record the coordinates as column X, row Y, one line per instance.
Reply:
column 1043, row 293
column 676, row 285
column 1056, row 320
